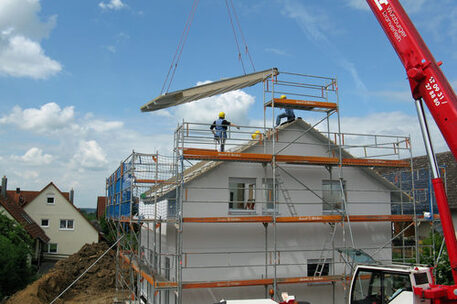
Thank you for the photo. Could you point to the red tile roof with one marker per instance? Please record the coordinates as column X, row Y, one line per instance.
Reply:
column 24, row 197
column 24, row 219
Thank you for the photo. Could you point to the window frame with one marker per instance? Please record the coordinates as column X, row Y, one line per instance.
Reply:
column 325, row 203
column 53, row 199
column 249, row 190
column 44, row 226
column 267, row 187
column 49, row 248
column 316, row 262
column 66, row 224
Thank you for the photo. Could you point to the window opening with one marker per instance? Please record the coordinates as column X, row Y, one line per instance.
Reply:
column 66, row 225
column 242, row 194
column 314, row 263
column 269, row 202
column 50, row 199
column 333, row 196
column 52, row 248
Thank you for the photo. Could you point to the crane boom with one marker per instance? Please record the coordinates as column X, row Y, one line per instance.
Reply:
column 429, row 84
column 426, row 79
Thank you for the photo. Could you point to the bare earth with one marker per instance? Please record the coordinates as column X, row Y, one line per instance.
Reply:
column 97, row 286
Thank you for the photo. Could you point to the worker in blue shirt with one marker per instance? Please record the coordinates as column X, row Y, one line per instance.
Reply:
column 219, row 129
column 289, row 113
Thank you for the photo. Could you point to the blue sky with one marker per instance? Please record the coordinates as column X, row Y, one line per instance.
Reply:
column 74, row 73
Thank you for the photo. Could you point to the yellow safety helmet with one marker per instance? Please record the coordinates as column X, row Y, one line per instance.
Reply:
column 221, row 115
column 255, row 135
column 283, row 97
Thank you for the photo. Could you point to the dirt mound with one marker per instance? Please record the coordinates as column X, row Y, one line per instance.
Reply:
column 101, row 277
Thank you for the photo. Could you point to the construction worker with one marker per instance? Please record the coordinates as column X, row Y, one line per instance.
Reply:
column 256, row 135
column 289, row 113
column 219, row 129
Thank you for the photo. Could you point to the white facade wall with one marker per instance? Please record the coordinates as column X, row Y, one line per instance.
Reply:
column 217, row 252
column 6, row 213
column 68, row 241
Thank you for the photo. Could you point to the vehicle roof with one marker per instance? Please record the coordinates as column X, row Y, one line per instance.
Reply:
column 394, row 267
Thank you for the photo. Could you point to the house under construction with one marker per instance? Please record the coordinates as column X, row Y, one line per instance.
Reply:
column 288, row 208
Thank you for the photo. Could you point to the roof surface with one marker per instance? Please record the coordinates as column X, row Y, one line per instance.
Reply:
column 23, row 198
column 207, row 90
column 24, row 219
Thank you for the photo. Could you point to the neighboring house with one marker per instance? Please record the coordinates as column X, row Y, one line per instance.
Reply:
column 221, row 240
column 68, row 230
column 424, row 194
column 101, row 206
column 16, row 213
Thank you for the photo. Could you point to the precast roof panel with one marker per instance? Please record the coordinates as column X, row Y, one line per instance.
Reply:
column 207, row 90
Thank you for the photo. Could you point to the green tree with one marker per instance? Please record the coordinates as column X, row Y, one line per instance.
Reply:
column 15, row 248
column 108, row 232
column 429, row 254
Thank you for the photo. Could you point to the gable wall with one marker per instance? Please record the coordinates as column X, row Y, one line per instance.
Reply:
column 6, row 213
column 68, row 241
column 297, row 243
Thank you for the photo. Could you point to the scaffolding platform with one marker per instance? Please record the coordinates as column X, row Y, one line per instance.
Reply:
column 208, row 154
column 305, row 219
column 305, row 105
column 260, row 282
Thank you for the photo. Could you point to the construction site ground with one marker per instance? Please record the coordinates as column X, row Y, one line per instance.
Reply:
column 96, row 286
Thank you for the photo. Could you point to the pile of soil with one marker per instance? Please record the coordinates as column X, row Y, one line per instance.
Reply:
column 98, row 282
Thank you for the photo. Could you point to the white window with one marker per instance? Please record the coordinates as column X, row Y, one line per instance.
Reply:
column 50, row 199
column 242, row 194
column 332, row 196
column 52, row 248
column 267, row 184
column 44, row 222
column 66, row 225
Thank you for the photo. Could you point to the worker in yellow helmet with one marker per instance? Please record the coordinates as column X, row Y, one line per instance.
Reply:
column 288, row 113
column 219, row 129
column 256, row 135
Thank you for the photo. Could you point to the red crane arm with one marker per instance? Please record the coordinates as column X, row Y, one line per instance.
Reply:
column 427, row 83
column 426, row 79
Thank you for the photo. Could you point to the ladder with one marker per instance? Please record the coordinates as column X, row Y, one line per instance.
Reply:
column 321, row 265
column 286, row 194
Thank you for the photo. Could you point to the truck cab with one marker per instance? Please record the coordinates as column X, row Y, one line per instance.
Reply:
column 388, row 284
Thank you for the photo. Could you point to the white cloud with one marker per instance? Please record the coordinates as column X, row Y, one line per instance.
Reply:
column 35, row 156
column 104, row 126
column 112, row 4
column 49, row 118
column 90, row 156
column 21, row 31
column 277, row 51
column 22, row 57
column 235, row 104
column 27, row 174
column 315, row 23
column 111, row 49
column 411, row 6
column 312, row 22
column 358, row 4
column 390, row 123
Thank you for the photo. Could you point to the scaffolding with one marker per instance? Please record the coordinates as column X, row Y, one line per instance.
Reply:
column 155, row 199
